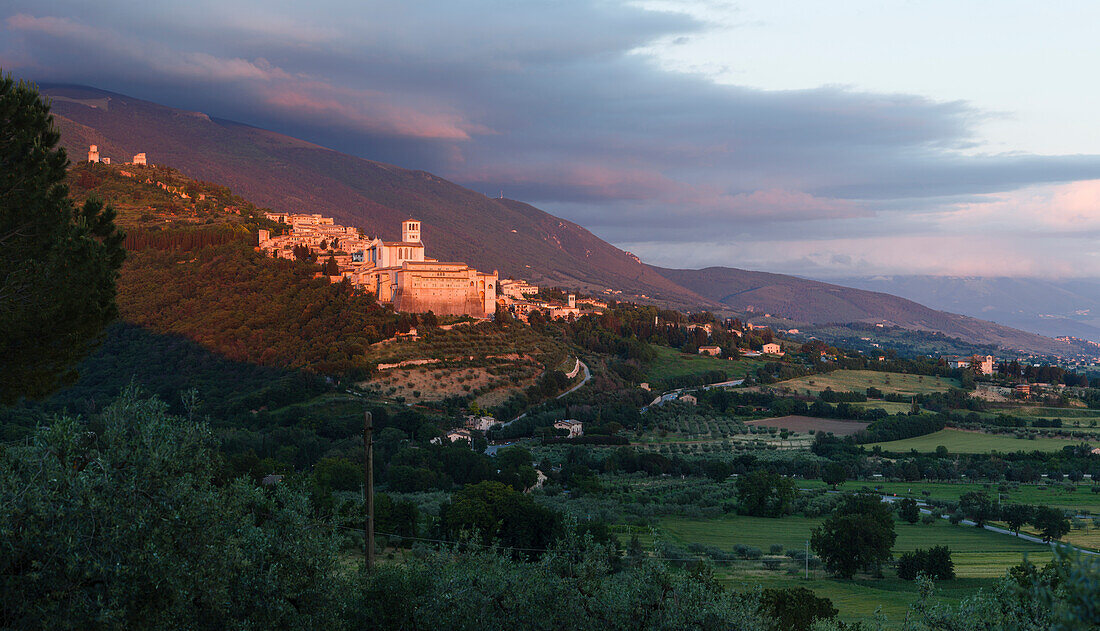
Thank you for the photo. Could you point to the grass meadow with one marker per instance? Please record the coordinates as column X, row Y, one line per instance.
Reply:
column 980, row 557
column 958, row 441
column 671, row 363
column 860, row 380
column 1080, row 499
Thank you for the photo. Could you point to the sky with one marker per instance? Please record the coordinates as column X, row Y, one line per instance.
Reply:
column 822, row 139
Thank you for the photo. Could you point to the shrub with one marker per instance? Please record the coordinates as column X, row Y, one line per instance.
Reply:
column 934, row 562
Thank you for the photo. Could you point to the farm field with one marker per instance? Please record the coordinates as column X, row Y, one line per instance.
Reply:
column 979, row 556
column 958, row 441
column 860, row 380
column 671, row 363
column 891, row 407
column 1045, row 412
column 803, row 425
column 1081, row 499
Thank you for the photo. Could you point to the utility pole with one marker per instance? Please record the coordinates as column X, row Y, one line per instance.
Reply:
column 368, row 486
column 807, row 559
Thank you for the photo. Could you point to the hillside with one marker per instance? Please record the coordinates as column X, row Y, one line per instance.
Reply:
column 291, row 175
column 517, row 239
column 816, row 302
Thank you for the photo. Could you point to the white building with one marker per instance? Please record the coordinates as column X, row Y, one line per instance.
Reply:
column 575, row 428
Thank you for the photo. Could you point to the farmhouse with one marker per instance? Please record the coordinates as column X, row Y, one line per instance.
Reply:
column 452, row 436
column 710, row 350
column 771, row 348
column 480, row 423
column 689, row 399
column 575, row 428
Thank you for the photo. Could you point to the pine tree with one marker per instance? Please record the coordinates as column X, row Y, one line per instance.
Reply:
column 58, row 264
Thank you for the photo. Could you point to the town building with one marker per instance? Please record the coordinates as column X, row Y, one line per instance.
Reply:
column 139, row 159
column 516, row 289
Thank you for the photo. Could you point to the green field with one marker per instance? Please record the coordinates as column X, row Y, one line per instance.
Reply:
column 1081, row 499
column 961, row 442
column 860, row 380
column 979, row 556
column 891, row 407
column 1045, row 412
column 672, row 363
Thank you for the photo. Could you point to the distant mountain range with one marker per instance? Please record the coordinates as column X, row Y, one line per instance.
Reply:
column 816, row 302
column 1049, row 307
column 519, row 240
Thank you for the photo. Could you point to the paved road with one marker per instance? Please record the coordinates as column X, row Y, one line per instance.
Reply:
column 587, row 377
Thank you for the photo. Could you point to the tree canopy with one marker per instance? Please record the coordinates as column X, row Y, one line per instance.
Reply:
column 58, row 264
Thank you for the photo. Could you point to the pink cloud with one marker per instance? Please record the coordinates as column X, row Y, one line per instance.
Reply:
column 367, row 111
column 591, row 181
column 1068, row 207
column 53, row 26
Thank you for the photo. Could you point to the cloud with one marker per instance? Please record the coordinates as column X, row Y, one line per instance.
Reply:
column 563, row 104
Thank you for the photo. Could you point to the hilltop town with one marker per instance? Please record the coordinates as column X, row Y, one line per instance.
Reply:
column 400, row 273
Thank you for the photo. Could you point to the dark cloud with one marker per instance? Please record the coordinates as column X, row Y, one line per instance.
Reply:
column 550, row 102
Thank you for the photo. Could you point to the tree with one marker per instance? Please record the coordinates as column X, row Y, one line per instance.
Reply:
column 1051, row 522
column 857, row 536
column 795, row 608
column 330, row 268
column 764, row 494
column 908, row 510
column 1016, row 515
column 500, row 514
column 58, row 264
column 978, row 506
column 934, row 562
column 834, row 474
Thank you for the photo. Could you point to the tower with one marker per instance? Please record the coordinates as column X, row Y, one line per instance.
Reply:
column 93, row 153
column 410, row 231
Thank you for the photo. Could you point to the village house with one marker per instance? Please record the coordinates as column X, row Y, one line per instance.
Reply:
column 480, row 423
column 984, row 363
column 710, row 350
column 771, row 348
column 689, row 399
column 93, row 153
column 575, row 428
column 139, row 159
column 452, row 436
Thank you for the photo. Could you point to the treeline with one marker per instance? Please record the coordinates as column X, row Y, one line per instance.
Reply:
column 271, row 312
column 185, row 238
column 899, row 427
